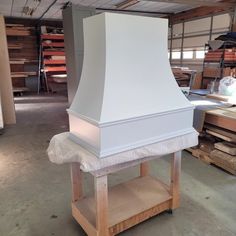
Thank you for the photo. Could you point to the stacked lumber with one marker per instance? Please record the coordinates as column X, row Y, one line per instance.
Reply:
column 217, row 143
column 13, row 45
column 223, row 118
column 214, row 56
column 17, row 30
column 229, row 55
column 53, row 59
column 22, row 49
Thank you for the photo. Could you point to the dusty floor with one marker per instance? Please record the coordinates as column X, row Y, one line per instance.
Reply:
column 35, row 194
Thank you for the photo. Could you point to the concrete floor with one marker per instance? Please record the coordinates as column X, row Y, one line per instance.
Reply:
column 35, row 194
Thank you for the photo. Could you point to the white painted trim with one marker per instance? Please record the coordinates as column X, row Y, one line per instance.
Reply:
column 119, row 149
column 100, row 125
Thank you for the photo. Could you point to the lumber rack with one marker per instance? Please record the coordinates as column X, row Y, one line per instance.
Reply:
column 113, row 210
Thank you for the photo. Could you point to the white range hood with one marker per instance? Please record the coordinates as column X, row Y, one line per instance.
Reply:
column 127, row 96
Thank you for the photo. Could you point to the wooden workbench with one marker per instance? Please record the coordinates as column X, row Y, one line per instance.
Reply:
column 111, row 211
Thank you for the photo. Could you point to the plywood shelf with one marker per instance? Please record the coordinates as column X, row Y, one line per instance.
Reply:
column 142, row 198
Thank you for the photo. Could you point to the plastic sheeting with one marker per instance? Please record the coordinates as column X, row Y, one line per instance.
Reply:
column 62, row 150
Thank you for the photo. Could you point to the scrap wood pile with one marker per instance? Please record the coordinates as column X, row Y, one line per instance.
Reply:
column 217, row 145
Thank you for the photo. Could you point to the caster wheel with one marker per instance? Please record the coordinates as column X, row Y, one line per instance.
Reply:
column 170, row 211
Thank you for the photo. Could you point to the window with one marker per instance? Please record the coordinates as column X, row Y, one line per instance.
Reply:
column 200, row 54
column 175, row 55
column 188, row 55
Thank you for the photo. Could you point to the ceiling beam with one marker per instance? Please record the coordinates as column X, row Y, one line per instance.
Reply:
column 198, row 12
column 134, row 11
column 125, row 4
column 198, row 2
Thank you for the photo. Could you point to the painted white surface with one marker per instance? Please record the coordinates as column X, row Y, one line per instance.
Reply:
column 127, row 89
column 1, row 117
column 126, row 71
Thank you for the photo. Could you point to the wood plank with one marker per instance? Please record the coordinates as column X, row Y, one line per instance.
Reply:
column 220, row 136
column 14, row 46
column 54, row 62
column 53, row 44
column 23, row 74
column 76, row 181
column 12, row 25
column 175, row 179
column 8, row 107
column 101, row 199
column 201, row 155
column 53, row 36
column 83, row 221
column 224, row 160
column 127, row 202
column 208, row 158
column 225, row 132
column 53, row 53
column 16, row 32
column 20, row 89
column 224, row 118
column 229, row 148
column 144, row 169
column 54, row 68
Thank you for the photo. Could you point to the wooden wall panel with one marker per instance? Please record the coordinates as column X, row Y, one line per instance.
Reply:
column 8, row 107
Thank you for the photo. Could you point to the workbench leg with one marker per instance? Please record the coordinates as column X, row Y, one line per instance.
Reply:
column 76, row 181
column 101, row 199
column 175, row 179
column 144, row 169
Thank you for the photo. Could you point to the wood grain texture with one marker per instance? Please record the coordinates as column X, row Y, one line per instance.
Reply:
column 225, row 132
column 101, row 197
column 222, row 118
column 129, row 203
column 175, row 179
column 144, row 169
column 76, row 182
column 229, row 148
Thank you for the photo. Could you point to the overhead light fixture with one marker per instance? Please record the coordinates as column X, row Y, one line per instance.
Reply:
column 126, row 4
column 29, row 10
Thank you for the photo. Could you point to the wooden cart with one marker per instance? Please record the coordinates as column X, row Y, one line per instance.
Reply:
column 118, row 208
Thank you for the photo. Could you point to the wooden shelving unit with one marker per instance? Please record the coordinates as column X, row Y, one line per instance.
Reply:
column 219, row 63
column 52, row 61
column 22, row 53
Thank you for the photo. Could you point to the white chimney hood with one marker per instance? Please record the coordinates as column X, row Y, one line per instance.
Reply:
column 127, row 96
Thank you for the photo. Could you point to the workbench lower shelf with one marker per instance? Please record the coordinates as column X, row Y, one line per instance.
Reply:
column 129, row 203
